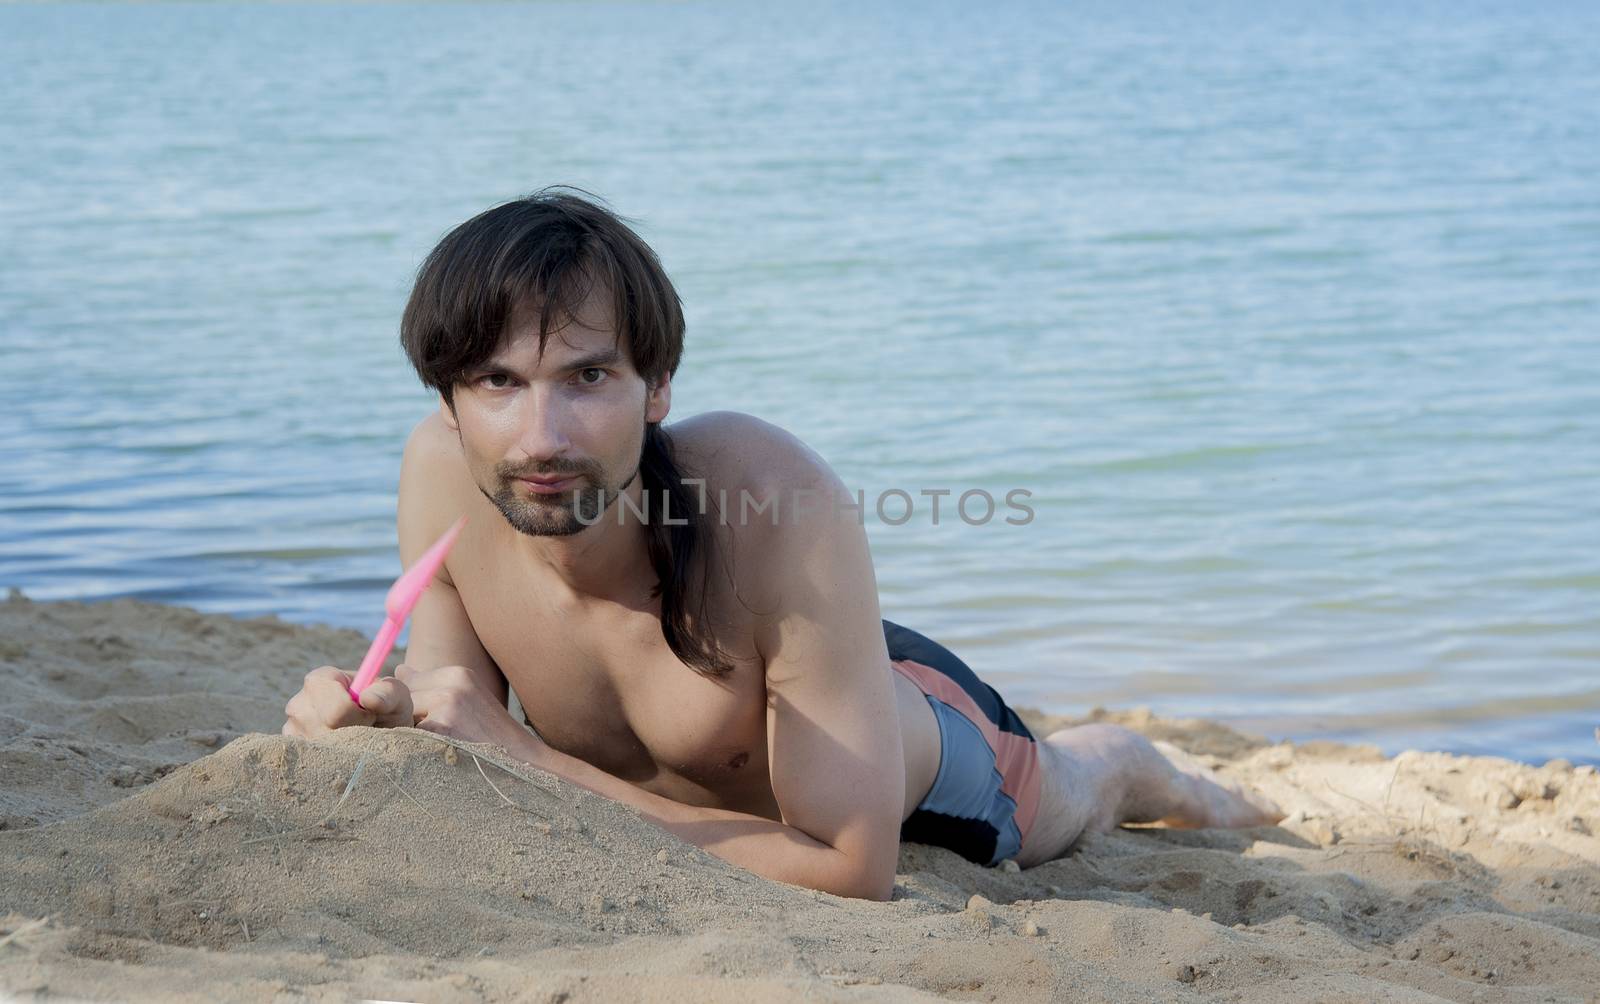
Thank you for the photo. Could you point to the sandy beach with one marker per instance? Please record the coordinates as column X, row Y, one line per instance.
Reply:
column 160, row 841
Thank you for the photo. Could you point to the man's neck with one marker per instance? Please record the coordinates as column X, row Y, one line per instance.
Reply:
column 608, row 562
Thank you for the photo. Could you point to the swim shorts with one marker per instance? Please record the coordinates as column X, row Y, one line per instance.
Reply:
column 986, row 793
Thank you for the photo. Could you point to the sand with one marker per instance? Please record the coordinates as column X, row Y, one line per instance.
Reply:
column 160, row 841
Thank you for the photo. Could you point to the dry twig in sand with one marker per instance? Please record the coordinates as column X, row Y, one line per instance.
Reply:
column 1409, row 841
column 401, row 790
column 32, row 925
column 541, row 787
column 318, row 830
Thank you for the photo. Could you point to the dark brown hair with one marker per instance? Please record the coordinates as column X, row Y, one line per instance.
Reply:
column 549, row 250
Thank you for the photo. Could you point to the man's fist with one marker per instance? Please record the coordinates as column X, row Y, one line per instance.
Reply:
column 323, row 704
column 452, row 702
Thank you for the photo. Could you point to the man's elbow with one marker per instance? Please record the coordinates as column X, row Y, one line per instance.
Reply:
column 879, row 891
column 875, row 884
column 876, row 891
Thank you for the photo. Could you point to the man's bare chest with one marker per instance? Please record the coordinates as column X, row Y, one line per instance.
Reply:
column 606, row 688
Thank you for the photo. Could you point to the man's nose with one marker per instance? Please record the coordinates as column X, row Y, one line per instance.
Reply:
column 542, row 434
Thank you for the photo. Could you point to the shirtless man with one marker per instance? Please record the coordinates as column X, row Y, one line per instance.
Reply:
column 718, row 665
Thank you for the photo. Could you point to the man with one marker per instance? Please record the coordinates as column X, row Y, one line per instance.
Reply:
column 690, row 620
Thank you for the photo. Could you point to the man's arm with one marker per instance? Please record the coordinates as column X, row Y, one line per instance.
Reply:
column 834, row 744
column 441, row 632
column 833, row 729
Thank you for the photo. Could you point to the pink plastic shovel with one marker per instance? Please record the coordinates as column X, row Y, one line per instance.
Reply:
column 403, row 596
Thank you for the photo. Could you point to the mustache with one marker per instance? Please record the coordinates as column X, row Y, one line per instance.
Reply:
column 546, row 470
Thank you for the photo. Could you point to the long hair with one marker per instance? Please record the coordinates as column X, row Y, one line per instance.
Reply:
column 673, row 549
column 550, row 249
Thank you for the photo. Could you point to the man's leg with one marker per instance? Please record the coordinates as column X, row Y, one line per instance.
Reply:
column 1097, row 777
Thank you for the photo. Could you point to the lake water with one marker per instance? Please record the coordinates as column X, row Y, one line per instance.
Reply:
column 1286, row 315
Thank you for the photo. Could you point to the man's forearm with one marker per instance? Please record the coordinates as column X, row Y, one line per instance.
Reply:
column 764, row 846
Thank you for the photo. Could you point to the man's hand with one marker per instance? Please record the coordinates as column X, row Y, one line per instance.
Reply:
column 323, row 704
column 451, row 702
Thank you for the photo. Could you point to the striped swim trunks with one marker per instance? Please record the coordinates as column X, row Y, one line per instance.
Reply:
column 986, row 793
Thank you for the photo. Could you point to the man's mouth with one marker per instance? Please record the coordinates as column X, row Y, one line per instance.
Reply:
column 549, row 486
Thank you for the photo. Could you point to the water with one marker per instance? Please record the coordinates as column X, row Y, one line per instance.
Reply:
column 1285, row 316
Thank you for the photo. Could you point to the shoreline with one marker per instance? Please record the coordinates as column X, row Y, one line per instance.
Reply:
column 161, row 841
column 1343, row 728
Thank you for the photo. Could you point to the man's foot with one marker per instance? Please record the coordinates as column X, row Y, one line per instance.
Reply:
column 1211, row 800
column 1097, row 777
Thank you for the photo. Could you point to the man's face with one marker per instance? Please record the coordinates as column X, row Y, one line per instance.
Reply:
column 552, row 440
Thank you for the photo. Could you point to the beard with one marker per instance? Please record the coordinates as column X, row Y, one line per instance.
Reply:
column 563, row 515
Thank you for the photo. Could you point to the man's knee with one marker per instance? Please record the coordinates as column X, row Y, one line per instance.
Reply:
column 1102, row 741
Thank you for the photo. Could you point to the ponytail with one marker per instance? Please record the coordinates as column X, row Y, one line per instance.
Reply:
column 673, row 549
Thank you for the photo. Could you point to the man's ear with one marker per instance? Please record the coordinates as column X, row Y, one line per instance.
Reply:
column 448, row 414
column 659, row 401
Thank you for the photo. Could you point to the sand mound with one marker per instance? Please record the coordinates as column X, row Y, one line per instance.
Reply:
column 160, row 845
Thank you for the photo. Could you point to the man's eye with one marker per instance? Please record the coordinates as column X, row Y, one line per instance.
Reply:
column 585, row 375
column 489, row 378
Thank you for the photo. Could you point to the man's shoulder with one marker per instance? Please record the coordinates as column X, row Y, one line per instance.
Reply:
column 432, row 455
column 431, row 435
column 431, row 468
column 778, row 499
column 735, row 451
